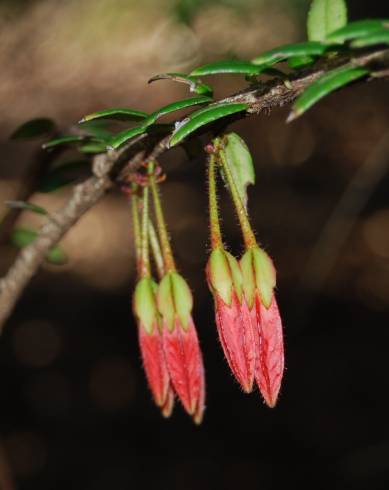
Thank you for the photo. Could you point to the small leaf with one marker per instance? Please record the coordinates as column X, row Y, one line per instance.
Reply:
column 324, row 17
column 288, row 51
column 233, row 66
column 63, row 140
column 117, row 114
column 97, row 129
column 381, row 36
column 34, row 129
column 300, row 62
column 63, row 175
column 93, row 148
column 21, row 237
column 176, row 106
column 195, row 85
column 329, row 82
column 203, row 117
column 28, row 206
column 240, row 163
column 357, row 29
column 124, row 136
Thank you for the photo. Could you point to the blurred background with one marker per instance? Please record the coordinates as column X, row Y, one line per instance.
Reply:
column 75, row 409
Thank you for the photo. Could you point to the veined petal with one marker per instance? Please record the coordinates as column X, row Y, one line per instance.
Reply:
column 236, row 335
column 270, row 361
column 154, row 363
column 185, row 364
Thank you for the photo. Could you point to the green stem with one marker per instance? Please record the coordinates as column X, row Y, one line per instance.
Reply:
column 136, row 228
column 145, row 260
column 248, row 234
column 167, row 253
column 216, row 236
column 156, row 249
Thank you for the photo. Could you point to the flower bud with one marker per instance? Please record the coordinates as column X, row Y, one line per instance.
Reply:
column 233, row 320
column 150, row 342
column 180, row 343
column 258, row 284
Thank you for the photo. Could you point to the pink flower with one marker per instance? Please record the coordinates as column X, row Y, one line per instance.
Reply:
column 233, row 320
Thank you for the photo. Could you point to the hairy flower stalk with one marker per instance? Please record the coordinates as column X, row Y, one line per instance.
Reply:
column 233, row 318
column 146, row 312
column 180, row 342
column 259, row 280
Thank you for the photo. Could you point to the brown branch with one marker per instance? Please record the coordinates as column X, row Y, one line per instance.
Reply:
column 260, row 98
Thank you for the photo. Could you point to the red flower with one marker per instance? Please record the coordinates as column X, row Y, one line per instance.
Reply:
column 259, row 282
column 180, row 344
column 233, row 320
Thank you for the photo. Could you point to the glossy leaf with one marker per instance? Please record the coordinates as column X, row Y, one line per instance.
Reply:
column 124, row 136
column 35, row 128
column 203, row 117
column 233, row 66
column 176, row 106
column 380, row 36
column 325, row 85
column 63, row 140
column 63, row 175
column 27, row 206
column 300, row 62
column 357, row 29
column 195, row 85
column 21, row 237
column 311, row 48
column 240, row 163
column 97, row 129
column 117, row 114
column 93, row 148
column 325, row 16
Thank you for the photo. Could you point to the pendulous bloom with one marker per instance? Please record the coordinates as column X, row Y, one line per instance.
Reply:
column 259, row 280
column 233, row 320
column 180, row 343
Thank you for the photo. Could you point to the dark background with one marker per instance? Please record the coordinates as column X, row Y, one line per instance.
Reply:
column 75, row 409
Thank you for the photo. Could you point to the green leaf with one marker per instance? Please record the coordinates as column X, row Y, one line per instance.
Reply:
column 28, row 206
column 203, row 117
column 21, row 237
column 325, row 16
column 34, row 128
column 310, row 48
column 93, row 148
column 63, row 140
column 381, row 36
column 300, row 62
column 233, row 66
column 357, row 29
column 325, row 85
column 97, row 129
column 195, row 85
column 124, row 136
column 117, row 114
column 63, row 175
column 240, row 163
column 176, row 106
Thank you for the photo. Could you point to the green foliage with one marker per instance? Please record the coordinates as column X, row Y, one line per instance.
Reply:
column 124, row 136
column 63, row 175
column 324, row 17
column 35, row 128
column 117, row 114
column 21, row 237
column 195, row 85
column 176, row 106
column 202, row 118
column 381, row 36
column 283, row 53
column 240, row 163
column 356, row 30
column 229, row 66
column 63, row 140
column 325, row 85
column 27, row 206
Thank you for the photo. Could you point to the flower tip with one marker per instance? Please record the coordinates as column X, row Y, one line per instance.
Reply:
column 167, row 407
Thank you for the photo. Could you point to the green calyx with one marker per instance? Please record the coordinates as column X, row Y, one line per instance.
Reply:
column 224, row 275
column 258, row 274
column 174, row 298
column 144, row 303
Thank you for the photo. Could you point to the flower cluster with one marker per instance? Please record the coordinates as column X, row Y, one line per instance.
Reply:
column 247, row 316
